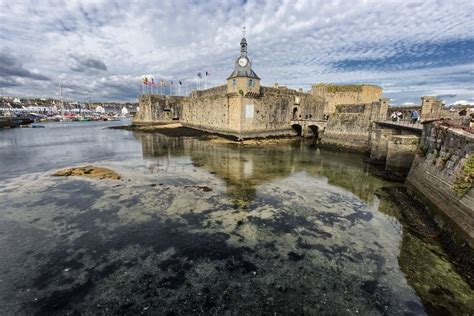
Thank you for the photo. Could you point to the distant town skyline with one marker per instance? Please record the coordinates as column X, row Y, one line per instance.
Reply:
column 100, row 50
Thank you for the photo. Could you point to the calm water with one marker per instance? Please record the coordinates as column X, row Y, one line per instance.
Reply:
column 197, row 227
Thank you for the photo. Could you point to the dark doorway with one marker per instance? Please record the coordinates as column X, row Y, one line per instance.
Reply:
column 315, row 131
column 295, row 109
column 298, row 129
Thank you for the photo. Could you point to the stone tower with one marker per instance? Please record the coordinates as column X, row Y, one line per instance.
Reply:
column 243, row 81
column 243, row 90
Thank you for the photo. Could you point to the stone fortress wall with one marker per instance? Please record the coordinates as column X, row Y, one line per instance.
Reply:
column 350, row 124
column 346, row 94
column 213, row 110
column 442, row 174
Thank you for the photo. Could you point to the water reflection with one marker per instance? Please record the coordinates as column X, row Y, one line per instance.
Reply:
column 197, row 227
column 243, row 168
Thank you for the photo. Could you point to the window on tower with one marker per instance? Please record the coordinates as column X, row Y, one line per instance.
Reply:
column 251, row 83
column 234, row 82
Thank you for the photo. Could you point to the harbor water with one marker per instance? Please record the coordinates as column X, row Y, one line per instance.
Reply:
column 200, row 227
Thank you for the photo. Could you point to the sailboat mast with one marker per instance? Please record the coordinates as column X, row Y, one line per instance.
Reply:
column 61, row 96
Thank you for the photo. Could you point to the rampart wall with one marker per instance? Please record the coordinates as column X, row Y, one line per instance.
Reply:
column 213, row 110
column 442, row 174
column 346, row 94
column 156, row 109
column 350, row 125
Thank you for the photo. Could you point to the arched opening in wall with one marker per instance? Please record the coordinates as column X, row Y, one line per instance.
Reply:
column 314, row 130
column 295, row 109
column 298, row 129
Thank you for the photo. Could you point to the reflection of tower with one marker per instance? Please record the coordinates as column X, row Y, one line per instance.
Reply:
column 248, row 168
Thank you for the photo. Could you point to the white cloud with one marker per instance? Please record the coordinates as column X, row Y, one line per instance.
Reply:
column 461, row 102
column 292, row 42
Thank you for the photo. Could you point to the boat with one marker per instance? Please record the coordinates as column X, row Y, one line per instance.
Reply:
column 9, row 122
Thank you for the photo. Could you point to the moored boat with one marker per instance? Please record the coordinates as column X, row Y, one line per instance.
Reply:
column 9, row 122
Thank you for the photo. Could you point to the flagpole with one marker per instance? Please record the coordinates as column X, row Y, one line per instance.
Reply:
column 186, row 88
column 205, row 81
column 179, row 89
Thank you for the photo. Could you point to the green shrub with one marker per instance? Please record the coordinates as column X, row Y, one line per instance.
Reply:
column 464, row 177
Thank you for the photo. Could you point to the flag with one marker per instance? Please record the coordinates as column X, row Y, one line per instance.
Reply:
column 145, row 80
column 180, row 83
column 152, row 82
column 171, row 82
column 207, row 74
column 199, row 75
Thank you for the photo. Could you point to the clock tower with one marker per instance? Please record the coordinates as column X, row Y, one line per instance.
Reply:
column 243, row 81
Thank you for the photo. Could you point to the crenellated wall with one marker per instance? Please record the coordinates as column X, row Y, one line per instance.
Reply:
column 442, row 174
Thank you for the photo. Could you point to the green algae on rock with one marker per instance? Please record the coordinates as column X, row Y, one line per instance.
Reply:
column 89, row 172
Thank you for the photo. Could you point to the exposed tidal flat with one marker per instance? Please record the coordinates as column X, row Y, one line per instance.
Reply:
column 196, row 226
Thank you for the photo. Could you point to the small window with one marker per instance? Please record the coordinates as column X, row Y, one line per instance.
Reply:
column 234, row 82
column 251, row 83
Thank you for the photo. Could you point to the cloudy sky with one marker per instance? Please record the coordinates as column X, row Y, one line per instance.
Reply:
column 100, row 50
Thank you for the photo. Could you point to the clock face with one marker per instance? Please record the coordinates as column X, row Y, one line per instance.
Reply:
column 243, row 62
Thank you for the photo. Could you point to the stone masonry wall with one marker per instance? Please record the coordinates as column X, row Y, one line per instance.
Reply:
column 275, row 108
column 350, row 125
column 155, row 109
column 213, row 110
column 346, row 94
column 211, row 113
column 400, row 152
column 442, row 174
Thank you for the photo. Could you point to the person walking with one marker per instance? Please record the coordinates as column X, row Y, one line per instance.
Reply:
column 414, row 116
column 394, row 116
column 399, row 116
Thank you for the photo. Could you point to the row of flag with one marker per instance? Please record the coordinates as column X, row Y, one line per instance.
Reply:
column 163, row 84
column 200, row 74
column 151, row 82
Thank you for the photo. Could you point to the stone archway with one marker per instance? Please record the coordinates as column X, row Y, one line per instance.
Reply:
column 315, row 130
column 298, row 129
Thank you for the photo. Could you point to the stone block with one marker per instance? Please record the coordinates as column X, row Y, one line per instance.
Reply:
column 400, row 152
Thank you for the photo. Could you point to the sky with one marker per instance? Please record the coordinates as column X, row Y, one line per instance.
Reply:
column 101, row 50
